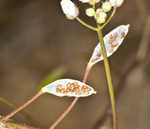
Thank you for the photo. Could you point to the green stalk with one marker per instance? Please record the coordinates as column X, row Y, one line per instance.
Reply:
column 85, row 24
column 109, row 19
column 109, row 79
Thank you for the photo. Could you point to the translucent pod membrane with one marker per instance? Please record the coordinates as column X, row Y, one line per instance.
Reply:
column 112, row 42
column 69, row 87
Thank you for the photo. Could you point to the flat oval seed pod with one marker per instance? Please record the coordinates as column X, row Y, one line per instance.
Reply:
column 69, row 87
column 112, row 42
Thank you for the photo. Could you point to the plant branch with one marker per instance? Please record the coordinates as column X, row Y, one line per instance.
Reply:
column 108, row 76
column 139, row 60
column 5, row 118
column 85, row 24
column 24, row 114
column 110, row 17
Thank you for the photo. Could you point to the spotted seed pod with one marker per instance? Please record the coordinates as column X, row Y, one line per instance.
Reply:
column 112, row 42
column 69, row 87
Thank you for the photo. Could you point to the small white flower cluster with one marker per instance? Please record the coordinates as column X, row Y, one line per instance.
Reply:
column 71, row 10
column 100, row 14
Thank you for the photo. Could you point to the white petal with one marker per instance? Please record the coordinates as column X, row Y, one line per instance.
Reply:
column 113, row 2
column 84, row 1
column 116, row 3
column 69, row 87
column 112, row 42
column 69, row 9
column 89, row 1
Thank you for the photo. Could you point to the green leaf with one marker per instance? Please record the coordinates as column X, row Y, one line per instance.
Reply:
column 53, row 76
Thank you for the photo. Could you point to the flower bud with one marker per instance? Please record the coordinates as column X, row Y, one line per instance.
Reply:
column 106, row 6
column 90, row 12
column 116, row 3
column 93, row 2
column 100, row 16
column 70, row 9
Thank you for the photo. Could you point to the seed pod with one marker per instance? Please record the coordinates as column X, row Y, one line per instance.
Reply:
column 70, row 9
column 69, row 87
column 112, row 41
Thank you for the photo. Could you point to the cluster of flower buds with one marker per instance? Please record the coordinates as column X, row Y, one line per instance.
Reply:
column 100, row 14
column 69, row 87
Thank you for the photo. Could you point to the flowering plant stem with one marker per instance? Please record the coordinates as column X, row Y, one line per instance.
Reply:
column 22, row 106
column 108, row 75
column 85, row 24
column 110, row 17
column 64, row 114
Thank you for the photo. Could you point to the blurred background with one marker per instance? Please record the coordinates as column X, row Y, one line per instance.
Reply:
column 36, row 39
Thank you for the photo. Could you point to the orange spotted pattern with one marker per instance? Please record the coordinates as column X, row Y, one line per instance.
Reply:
column 123, row 35
column 73, row 88
column 111, row 40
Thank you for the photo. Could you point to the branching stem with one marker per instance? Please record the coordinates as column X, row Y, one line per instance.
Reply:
column 110, row 17
column 85, row 24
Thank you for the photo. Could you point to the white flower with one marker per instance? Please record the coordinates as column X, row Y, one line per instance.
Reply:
column 112, row 42
column 69, row 87
column 116, row 3
column 70, row 9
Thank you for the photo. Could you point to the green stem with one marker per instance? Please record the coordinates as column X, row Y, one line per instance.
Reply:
column 85, row 24
column 109, row 19
column 109, row 79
